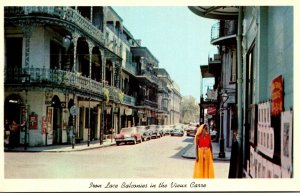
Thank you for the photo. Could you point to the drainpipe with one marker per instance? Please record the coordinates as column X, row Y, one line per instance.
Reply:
column 239, row 97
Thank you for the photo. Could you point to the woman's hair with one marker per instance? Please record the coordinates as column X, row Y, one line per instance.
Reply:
column 199, row 131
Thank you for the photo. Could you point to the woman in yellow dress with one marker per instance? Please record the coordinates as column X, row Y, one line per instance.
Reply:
column 203, row 167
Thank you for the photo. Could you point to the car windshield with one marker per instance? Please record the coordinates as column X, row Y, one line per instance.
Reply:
column 141, row 128
column 126, row 130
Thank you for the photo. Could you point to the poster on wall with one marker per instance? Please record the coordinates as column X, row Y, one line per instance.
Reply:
column 265, row 133
column 269, row 169
column 285, row 173
column 276, row 171
column 253, row 124
column 252, row 162
column 264, row 168
column 49, row 134
column 286, row 140
column 259, row 166
column 276, row 95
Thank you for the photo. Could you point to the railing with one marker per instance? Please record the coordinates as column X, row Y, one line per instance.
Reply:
column 129, row 100
column 149, row 103
column 64, row 13
column 131, row 67
column 223, row 29
column 152, row 78
column 51, row 76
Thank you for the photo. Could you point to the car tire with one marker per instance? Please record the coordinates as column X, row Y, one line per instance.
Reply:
column 117, row 143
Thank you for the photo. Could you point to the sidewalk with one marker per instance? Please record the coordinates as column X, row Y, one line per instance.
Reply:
column 190, row 153
column 64, row 148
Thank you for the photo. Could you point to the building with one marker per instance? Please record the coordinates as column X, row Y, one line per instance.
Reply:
column 75, row 73
column 264, row 85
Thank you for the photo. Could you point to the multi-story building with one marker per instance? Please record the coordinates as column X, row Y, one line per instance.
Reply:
column 262, row 146
column 175, row 104
column 164, row 96
column 74, row 70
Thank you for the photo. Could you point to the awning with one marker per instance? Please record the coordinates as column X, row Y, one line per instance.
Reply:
column 216, row 12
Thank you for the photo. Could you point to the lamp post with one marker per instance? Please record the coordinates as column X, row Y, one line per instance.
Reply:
column 221, row 141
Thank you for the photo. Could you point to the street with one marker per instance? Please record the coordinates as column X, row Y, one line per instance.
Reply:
column 157, row 158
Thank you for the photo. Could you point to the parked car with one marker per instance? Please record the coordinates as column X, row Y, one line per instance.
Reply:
column 191, row 130
column 213, row 134
column 155, row 133
column 128, row 134
column 146, row 133
column 166, row 129
column 160, row 129
column 177, row 132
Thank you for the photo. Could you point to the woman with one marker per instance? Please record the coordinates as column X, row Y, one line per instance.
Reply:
column 203, row 167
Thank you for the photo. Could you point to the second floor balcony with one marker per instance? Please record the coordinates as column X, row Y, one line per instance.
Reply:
column 224, row 32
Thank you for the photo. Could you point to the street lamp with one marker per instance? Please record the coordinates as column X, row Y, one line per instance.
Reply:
column 224, row 99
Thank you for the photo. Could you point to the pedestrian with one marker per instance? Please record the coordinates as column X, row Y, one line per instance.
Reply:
column 203, row 167
column 14, row 134
column 6, row 133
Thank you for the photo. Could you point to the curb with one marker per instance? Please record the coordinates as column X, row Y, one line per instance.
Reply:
column 32, row 150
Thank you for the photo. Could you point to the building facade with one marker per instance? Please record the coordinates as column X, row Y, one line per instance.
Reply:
column 74, row 71
column 262, row 72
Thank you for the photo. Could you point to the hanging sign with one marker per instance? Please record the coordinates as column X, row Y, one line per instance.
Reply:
column 211, row 110
column 128, row 112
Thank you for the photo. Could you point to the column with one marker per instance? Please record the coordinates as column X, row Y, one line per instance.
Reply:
column 75, row 37
column 27, row 29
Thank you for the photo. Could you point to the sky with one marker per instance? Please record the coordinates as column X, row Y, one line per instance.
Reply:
column 178, row 38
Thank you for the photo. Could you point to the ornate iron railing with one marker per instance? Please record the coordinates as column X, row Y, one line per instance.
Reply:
column 51, row 76
column 68, row 14
column 223, row 29
column 129, row 100
column 131, row 67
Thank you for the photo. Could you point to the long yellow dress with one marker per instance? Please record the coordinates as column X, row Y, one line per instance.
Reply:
column 203, row 168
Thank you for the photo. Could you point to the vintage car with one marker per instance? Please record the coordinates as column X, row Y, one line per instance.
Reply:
column 146, row 133
column 128, row 135
column 177, row 131
column 191, row 130
column 155, row 131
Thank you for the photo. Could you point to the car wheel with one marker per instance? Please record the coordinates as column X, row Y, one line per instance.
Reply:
column 117, row 143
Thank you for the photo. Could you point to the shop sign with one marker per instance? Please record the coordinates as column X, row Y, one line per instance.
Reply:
column 128, row 111
column 212, row 95
column 74, row 110
column 211, row 110
column 44, row 125
column 276, row 95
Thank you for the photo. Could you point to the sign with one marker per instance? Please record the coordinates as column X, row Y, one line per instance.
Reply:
column 44, row 125
column 276, row 95
column 128, row 112
column 33, row 121
column 74, row 110
column 49, row 130
column 211, row 110
column 212, row 95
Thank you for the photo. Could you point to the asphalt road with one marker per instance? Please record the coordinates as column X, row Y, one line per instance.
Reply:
column 157, row 158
